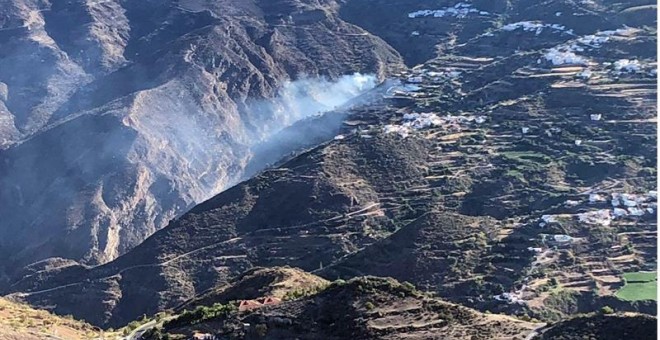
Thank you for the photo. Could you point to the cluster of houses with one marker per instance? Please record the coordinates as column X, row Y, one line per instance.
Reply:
column 621, row 205
column 567, row 54
column 203, row 336
column 414, row 82
column 245, row 305
column 512, row 297
column 420, row 121
column 461, row 10
column 535, row 26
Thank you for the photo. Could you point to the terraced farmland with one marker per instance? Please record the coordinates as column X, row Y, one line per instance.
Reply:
column 639, row 286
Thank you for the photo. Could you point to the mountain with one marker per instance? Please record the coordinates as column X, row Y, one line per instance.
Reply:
column 362, row 308
column 513, row 170
column 117, row 116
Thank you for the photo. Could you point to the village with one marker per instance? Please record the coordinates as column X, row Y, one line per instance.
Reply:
column 605, row 226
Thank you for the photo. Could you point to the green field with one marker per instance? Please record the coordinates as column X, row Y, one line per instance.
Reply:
column 639, row 286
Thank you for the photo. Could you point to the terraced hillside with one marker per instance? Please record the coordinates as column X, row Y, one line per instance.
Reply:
column 515, row 172
column 366, row 308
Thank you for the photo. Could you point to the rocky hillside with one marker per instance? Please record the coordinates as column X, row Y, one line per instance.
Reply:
column 513, row 171
column 117, row 116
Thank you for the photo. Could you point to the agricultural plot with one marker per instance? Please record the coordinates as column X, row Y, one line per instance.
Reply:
column 639, row 286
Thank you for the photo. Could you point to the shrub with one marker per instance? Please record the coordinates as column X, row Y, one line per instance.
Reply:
column 261, row 330
column 132, row 325
column 339, row 282
column 607, row 310
column 369, row 305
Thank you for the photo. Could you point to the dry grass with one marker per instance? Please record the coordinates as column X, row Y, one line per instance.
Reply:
column 18, row 321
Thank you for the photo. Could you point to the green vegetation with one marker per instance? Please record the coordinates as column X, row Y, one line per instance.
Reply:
column 640, row 276
column 303, row 292
column 639, row 286
column 607, row 310
column 563, row 301
column 372, row 284
column 200, row 314
column 134, row 325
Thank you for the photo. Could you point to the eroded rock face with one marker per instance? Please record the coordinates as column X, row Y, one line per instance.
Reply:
column 115, row 117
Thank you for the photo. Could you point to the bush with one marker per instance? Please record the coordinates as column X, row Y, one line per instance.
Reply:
column 554, row 282
column 607, row 310
column 369, row 305
column 629, row 249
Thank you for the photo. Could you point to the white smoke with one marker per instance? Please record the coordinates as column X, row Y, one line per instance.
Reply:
column 291, row 115
column 307, row 97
